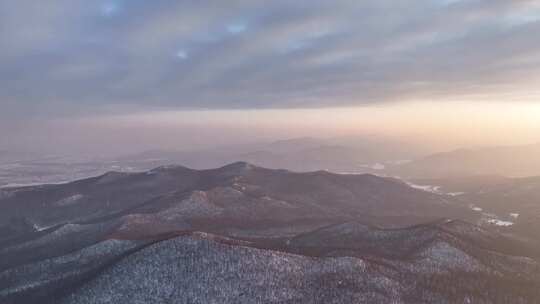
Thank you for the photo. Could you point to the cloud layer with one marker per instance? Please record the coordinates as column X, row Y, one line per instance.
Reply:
column 70, row 56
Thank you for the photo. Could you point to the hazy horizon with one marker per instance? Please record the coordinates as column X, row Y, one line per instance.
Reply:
column 118, row 76
column 434, row 127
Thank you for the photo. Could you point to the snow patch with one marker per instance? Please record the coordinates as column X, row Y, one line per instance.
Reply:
column 399, row 162
column 477, row 209
column 501, row 223
column 378, row 166
column 375, row 166
column 70, row 200
column 427, row 188
column 41, row 228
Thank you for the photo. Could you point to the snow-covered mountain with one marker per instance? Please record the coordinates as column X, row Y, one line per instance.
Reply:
column 246, row 234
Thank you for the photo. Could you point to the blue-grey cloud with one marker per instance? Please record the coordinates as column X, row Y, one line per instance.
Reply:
column 69, row 56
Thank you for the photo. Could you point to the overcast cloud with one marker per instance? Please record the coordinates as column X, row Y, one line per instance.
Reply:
column 70, row 57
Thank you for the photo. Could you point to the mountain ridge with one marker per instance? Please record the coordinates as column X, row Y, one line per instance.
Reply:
column 172, row 232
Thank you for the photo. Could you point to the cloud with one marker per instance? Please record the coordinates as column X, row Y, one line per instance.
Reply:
column 181, row 54
column 109, row 9
column 65, row 57
column 236, row 28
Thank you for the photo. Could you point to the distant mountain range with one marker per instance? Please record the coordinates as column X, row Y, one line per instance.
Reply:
column 297, row 154
column 511, row 161
column 379, row 156
column 244, row 234
column 367, row 155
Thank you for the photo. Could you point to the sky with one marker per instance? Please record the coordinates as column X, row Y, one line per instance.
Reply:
column 78, row 73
